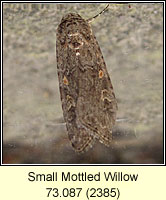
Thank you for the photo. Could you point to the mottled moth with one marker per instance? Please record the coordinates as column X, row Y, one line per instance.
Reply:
column 88, row 100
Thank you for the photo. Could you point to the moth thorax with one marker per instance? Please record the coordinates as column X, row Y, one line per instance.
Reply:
column 75, row 40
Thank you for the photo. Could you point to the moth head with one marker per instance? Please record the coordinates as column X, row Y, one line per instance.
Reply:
column 70, row 22
column 70, row 17
column 74, row 30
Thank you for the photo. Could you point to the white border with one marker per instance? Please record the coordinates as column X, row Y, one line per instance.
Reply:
column 163, row 83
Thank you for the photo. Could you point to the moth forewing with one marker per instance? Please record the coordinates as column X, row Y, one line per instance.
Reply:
column 88, row 101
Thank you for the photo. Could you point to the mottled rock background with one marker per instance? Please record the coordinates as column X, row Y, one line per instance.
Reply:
column 131, row 39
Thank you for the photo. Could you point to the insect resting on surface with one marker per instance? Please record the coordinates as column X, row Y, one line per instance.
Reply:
column 88, row 100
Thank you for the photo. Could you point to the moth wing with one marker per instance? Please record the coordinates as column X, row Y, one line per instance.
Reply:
column 81, row 140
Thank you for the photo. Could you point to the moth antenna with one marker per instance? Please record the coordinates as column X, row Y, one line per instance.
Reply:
column 91, row 19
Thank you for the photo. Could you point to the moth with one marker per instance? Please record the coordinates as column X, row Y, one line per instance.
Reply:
column 88, row 100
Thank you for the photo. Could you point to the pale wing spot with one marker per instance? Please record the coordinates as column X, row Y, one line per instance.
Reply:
column 77, row 47
column 70, row 102
column 77, row 53
column 73, row 34
column 105, row 95
column 65, row 81
column 101, row 73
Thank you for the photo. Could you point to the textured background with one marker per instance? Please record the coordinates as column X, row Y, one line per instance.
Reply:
column 131, row 39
